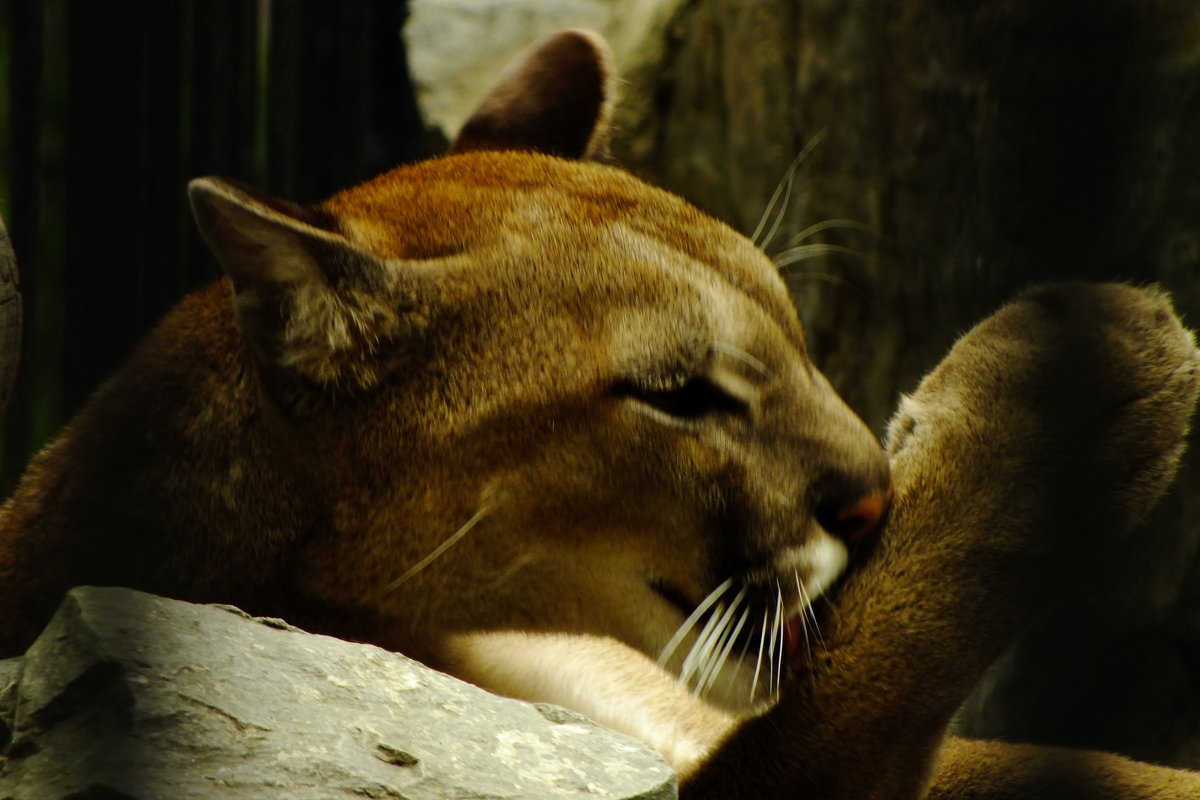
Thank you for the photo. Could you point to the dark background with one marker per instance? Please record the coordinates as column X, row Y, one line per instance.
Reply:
column 111, row 108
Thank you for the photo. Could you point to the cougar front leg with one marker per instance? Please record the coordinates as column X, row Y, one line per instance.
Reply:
column 1043, row 438
column 974, row 770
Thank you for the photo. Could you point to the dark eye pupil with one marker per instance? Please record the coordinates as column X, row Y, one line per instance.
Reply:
column 696, row 398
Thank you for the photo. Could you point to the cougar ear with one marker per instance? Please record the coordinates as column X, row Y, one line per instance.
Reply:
column 555, row 98
column 307, row 298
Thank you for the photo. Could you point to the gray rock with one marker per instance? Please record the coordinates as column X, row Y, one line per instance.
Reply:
column 127, row 695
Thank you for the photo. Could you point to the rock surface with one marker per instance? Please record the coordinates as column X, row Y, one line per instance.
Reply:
column 127, row 695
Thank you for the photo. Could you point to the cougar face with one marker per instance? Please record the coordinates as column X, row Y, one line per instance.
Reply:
column 638, row 442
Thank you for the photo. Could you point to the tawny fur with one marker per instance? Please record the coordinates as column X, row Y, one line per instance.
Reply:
column 437, row 412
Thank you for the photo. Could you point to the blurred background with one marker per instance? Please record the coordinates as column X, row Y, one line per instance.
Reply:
column 109, row 110
column 946, row 154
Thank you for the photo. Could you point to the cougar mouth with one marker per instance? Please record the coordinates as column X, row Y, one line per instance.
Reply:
column 741, row 639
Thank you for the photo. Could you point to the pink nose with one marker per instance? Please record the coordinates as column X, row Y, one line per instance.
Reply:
column 855, row 522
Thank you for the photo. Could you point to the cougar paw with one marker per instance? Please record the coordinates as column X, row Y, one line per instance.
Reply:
column 1074, row 394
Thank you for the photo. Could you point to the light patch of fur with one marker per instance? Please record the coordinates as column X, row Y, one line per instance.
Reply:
column 333, row 337
column 600, row 678
column 817, row 563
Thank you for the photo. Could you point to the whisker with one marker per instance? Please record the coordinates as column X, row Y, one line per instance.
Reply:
column 723, row 657
column 707, row 656
column 785, row 184
column 704, row 643
column 717, row 643
column 741, row 355
column 775, row 640
column 784, row 188
column 803, row 252
column 779, row 611
column 805, row 614
column 812, row 615
column 762, row 638
column 779, row 215
column 441, row 548
column 690, row 622
column 831, row 224
column 714, row 654
column 514, row 566
column 813, row 275
column 745, row 642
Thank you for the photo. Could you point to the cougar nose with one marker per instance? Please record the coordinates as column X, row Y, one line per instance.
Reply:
column 854, row 521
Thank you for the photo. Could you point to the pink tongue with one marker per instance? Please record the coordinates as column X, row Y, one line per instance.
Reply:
column 793, row 635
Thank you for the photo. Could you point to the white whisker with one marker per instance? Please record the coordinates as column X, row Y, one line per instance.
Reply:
column 698, row 655
column 745, row 642
column 714, row 653
column 723, row 656
column 441, row 548
column 812, row 616
column 706, row 659
column 514, row 566
column 785, row 184
column 713, row 643
column 741, row 355
column 762, row 638
column 776, row 639
column 784, row 188
column 796, row 278
column 805, row 615
column 779, row 215
column 690, row 622
column 803, row 252
column 779, row 613
column 830, row 224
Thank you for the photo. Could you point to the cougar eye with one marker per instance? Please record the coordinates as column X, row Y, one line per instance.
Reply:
column 695, row 398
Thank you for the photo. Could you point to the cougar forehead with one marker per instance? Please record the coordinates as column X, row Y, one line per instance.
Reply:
column 616, row 277
column 575, row 213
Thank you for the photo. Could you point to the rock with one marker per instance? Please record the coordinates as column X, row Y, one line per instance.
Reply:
column 128, row 695
column 456, row 48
